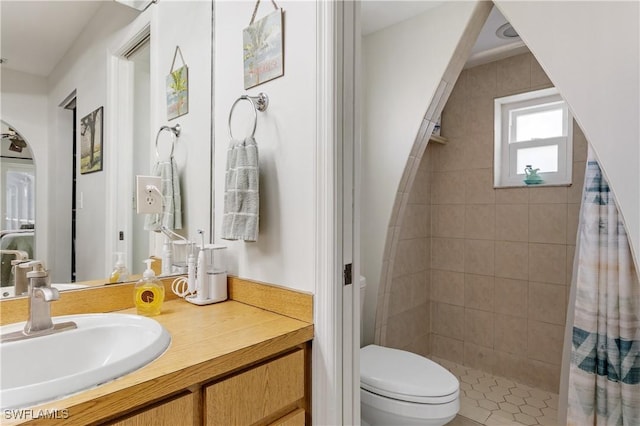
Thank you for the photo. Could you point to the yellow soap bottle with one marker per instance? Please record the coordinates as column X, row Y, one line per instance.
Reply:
column 148, row 293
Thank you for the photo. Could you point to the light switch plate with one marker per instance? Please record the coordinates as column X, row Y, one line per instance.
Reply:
column 148, row 201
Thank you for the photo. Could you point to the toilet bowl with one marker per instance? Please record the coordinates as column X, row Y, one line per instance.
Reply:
column 401, row 388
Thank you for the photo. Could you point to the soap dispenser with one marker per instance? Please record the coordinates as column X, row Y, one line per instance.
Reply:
column 148, row 293
column 120, row 272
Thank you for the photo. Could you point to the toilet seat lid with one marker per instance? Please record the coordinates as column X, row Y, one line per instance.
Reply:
column 405, row 376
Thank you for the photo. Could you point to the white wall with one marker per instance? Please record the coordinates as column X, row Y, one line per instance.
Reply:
column 187, row 24
column 85, row 68
column 23, row 104
column 403, row 66
column 284, row 252
column 591, row 52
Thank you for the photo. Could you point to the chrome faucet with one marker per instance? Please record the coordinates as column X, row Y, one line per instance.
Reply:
column 19, row 275
column 40, row 294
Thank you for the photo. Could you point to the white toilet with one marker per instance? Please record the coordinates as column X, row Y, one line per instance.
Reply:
column 401, row 388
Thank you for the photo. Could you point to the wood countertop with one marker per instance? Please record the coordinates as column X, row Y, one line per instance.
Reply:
column 207, row 342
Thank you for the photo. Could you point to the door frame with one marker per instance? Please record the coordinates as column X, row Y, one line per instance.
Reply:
column 336, row 376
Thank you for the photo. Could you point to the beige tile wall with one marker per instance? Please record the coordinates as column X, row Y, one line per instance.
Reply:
column 408, row 321
column 481, row 275
column 501, row 258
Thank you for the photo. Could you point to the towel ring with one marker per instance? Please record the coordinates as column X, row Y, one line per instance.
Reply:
column 175, row 131
column 259, row 103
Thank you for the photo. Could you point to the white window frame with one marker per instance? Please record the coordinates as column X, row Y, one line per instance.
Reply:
column 505, row 157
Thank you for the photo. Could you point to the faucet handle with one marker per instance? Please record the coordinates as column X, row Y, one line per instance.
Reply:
column 48, row 294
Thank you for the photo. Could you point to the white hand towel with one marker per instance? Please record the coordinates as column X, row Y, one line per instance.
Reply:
column 171, row 216
column 241, row 194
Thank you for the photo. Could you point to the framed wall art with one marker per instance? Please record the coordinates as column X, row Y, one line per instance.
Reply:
column 263, row 52
column 177, row 88
column 91, row 134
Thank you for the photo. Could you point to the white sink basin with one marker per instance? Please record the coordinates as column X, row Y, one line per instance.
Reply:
column 102, row 348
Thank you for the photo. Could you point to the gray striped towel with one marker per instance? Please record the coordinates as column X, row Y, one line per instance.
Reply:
column 171, row 216
column 241, row 192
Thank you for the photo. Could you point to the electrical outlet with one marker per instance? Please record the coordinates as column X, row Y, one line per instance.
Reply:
column 148, row 201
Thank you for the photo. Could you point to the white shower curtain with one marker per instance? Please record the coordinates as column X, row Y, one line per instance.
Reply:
column 604, row 372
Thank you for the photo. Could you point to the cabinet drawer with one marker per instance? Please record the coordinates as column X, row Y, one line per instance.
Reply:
column 178, row 411
column 295, row 418
column 258, row 393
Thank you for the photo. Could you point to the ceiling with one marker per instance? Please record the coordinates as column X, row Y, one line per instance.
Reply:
column 379, row 14
column 35, row 35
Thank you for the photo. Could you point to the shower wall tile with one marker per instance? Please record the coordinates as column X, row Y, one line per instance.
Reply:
column 512, row 222
column 547, row 303
column 548, row 223
column 512, row 260
column 420, row 191
column 539, row 79
column 479, row 257
column 414, row 225
column 510, row 334
column 574, row 192
column 452, row 157
column 544, row 376
column 548, row 195
column 448, row 188
column 420, row 345
column 447, row 348
column 478, row 327
column 481, row 81
column 511, row 297
column 448, row 320
column 447, row 254
column 548, row 263
column 448, row 220
column 512, row 195
column 448, row 287
column 573, row 216
column 479, row 186
column 402, row 328
column 411, row 257
column 571, row 251
column 479, row 117
column 479, row 151
column 480, row 357
column 478, row 292
column 480, row 222
column 407, row 292
column 479, row 275
column 545, row 342
column 580, row 145
column 514, row 75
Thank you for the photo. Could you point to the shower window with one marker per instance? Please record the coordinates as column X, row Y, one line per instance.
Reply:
column 532, row 129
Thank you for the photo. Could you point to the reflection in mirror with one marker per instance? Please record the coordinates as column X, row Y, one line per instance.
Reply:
column 67, row 59
column 17, row 203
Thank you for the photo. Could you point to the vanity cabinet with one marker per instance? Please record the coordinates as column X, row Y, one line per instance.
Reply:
column 178, row 411
column 271, row 390
column 269, row 393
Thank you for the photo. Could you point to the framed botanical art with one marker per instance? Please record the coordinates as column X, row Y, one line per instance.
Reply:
column 177, row 88
column 91, row 134
column 263, row 48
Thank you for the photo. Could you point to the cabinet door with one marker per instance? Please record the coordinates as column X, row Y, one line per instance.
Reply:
column 179, row 411
column 258, row 393
column 295, row 418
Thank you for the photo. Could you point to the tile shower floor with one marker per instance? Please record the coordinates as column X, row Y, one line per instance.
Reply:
column 495, row 401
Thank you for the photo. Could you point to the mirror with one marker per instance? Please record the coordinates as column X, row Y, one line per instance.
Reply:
column 117, row 58
column 17, row 203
